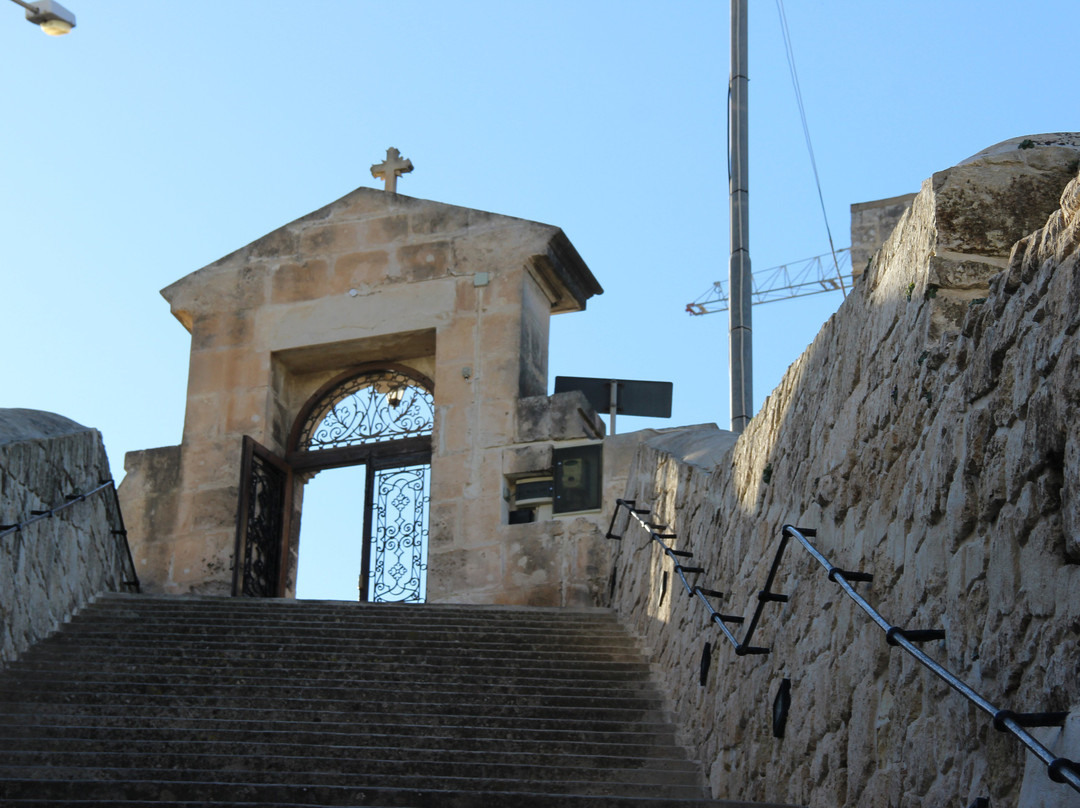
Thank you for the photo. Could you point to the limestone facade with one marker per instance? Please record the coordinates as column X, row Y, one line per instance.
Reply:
column 51, row 567
column 929, row 435
column 462, row 297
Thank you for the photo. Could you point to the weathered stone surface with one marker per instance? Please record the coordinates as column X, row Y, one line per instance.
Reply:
column 149, row 497
column 938, row 454
column 992, row 199
column 530, row 459
column 17, row 425
column 947, row 274
column 462, row 297
column 703, row 446
column 563, row 416
column 51, row 567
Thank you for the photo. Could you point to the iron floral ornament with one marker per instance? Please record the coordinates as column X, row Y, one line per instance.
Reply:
column 371, row 408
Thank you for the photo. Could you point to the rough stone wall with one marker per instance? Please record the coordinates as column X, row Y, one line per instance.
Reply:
column 928, row 434
column 54, row 566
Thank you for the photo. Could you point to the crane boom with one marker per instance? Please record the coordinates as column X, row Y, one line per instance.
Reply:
column 808, row 276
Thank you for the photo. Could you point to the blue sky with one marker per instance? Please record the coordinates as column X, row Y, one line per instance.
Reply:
column 158, row 137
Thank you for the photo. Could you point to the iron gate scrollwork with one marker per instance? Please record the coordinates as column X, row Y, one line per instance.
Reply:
column 264, row 482
column 373, row 407
column 399, row 533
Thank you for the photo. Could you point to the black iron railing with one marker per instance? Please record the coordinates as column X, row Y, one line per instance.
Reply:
column 116, row 517
column 1059, row 769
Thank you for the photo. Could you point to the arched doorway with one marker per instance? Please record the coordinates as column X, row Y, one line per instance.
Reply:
column 381, row 418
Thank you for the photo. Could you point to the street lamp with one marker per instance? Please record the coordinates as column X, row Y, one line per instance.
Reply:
column 53, row 18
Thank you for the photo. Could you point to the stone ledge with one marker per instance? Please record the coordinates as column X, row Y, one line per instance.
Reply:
column 21, row 425
column 702, row 446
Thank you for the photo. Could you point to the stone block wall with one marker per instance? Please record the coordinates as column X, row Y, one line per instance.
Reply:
column 54, row 566
column 560, row 561
column 929, row 435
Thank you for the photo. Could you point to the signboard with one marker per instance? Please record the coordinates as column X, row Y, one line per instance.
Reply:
column 651, row 399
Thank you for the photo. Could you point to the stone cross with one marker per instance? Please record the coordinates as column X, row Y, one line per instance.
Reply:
column 390, row 168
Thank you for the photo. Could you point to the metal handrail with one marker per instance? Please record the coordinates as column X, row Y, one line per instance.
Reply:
column 1059, row 769
column 116, row 517
column 660, row 534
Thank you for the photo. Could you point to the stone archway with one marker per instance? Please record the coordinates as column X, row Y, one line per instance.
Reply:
column 378, row 416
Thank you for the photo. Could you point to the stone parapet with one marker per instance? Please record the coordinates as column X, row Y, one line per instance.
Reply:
column 937, row 451
column 51, row 567
column 871, row 224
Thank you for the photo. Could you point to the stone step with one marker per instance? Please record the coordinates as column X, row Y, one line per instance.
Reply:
column 329, row 770
column 141, row 715
column 164, row 648
column 459, row 800
column 352, row 692
column 293, row 754
column 357, row 702
column 428, row 616
column 269, row 646
column 413, row 637
column 353, row 661
column 543, row 637
column 167, row 607
column 281, row 786
column 399, row 676
column 258, row 752
column 456, row 653
column 358, row 617
column 476, row 711
column 148, row 599
column 648, row 742
column 256, row 676
column 154, row 794
column 390, row 636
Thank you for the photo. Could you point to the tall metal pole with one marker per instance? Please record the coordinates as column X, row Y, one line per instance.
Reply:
column 739, row 283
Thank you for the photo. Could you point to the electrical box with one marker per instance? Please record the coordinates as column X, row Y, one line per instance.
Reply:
column 534, row 491
column 579, row 478
column 530, row 500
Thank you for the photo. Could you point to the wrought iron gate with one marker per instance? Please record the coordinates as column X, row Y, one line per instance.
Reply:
column 260, row 524
column 381, row 417
column 396, row 532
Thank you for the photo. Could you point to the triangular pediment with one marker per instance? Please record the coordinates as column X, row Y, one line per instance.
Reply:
column 378, row 232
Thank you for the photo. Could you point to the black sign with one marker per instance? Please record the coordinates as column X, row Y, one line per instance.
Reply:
column 632, row 397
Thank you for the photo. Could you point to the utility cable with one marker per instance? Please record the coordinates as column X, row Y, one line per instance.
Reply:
column 806, row 133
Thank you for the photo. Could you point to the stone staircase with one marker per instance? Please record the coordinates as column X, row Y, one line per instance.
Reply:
column 220, row 701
